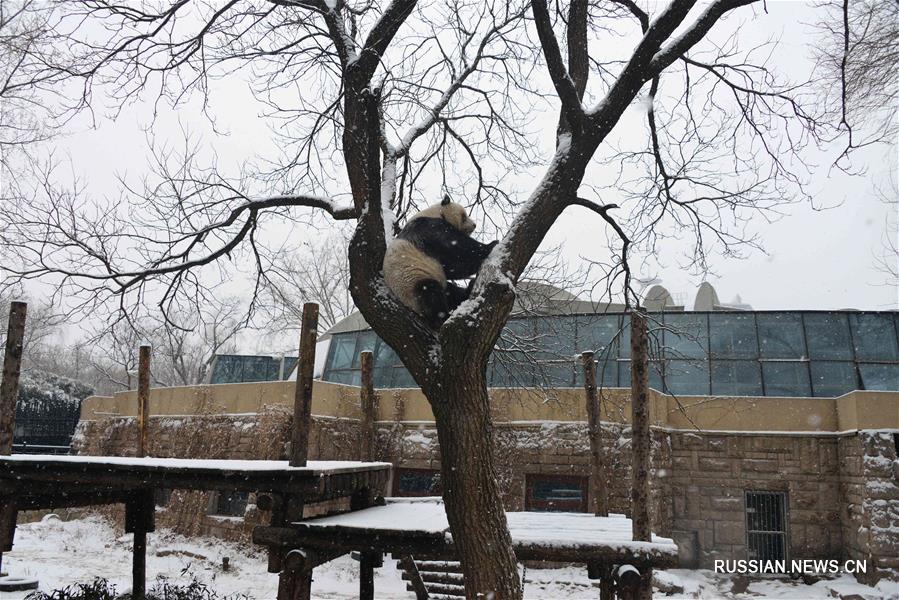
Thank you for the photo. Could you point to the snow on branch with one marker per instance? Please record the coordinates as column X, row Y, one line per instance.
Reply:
column 564, row 84
column 678, row 47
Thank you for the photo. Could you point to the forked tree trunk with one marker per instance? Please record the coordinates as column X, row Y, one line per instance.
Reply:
column 470, row 490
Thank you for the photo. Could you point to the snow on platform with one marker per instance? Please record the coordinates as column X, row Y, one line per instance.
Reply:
column 312, row 467
column 546, row 530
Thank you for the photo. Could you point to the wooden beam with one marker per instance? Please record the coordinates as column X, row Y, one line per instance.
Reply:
column 407, row 564
column 367, row 401
column 599, row 484
column 302, row 404
column 139, row 519
column 143, row 400
column 12, row 367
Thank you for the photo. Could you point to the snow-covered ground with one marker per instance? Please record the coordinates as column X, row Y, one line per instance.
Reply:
column 61, row 553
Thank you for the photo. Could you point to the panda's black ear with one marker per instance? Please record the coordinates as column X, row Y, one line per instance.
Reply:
column 446, row 200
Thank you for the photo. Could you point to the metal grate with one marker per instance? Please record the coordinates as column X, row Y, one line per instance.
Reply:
column 766, row 525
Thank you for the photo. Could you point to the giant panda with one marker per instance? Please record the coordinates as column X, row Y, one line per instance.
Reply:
column 434, row 247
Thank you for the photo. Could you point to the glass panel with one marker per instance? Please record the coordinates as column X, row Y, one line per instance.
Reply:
column 828, row 336
column 786, row 379
column 383, row 377
column 259, row 368
column 385, row 356
column 290, row 363
column 732, row 335
column 880, row 377
column 689, row 377
column 555, row 374
column 555, row 338
column 365, row 342
column 418, row 482
column 345, row 377
column 736, row 378
column 624, row 347
column 231, row 504
column 342, row 353
column 830, row 379
column 606, row 374
column 596, row 333
column 688, row 335
column 873, row 336
column 513, row 369
column 553, row 490
column 227, row 369
column 655, row 374
column 780, row 335
column 402, row 378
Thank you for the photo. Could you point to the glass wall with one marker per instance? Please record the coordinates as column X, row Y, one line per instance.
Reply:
column 692, row 353
column 234, row 368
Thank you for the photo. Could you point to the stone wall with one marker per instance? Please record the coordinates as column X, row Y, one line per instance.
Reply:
column 711, row 474
column 842, row 498
column 870, row 501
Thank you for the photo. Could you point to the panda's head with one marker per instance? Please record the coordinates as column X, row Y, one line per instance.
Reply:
column 452, row 213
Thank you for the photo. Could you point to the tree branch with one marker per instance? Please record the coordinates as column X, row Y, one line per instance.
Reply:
column 564, row 84
column 664, row 57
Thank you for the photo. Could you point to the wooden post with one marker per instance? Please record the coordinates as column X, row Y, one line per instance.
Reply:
column 9, row 395
column 640, row 439
column 295, row 580
column 12, row 366
column 294, row 583
column 367, row 400
column 603, row 572
column 599, row 483
column 302, row 404
column 139, row 566
column 143, row 400
column 139, row 519
column 367, row 563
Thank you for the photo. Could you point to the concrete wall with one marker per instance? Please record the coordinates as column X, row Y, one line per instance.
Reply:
column 855, row 410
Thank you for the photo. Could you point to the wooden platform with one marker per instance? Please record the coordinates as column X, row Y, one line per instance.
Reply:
column 421, row 529
column 48, row 481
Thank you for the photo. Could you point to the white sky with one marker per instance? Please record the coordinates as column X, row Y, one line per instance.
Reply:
column 816, row 259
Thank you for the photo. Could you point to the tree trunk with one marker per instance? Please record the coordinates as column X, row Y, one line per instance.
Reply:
column 473, row 503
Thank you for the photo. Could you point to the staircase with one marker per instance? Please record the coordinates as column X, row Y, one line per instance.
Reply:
column 432, row 580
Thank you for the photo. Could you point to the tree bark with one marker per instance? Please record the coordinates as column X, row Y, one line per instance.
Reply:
column 470, row 490
column 12, row 366
column 599, row 484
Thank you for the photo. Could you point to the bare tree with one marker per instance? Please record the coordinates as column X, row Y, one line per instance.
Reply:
column 391, row 94
column 859, row 68
column 22, row 115
column 114, row 355
column 184, row 353
column 318, row 273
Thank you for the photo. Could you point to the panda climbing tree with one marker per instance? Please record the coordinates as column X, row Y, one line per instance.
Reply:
column 434, row 247
column 368, row 95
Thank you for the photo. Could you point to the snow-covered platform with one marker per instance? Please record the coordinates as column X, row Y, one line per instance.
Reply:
column 30, row 477
column 50, row 481
column 420, row 528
